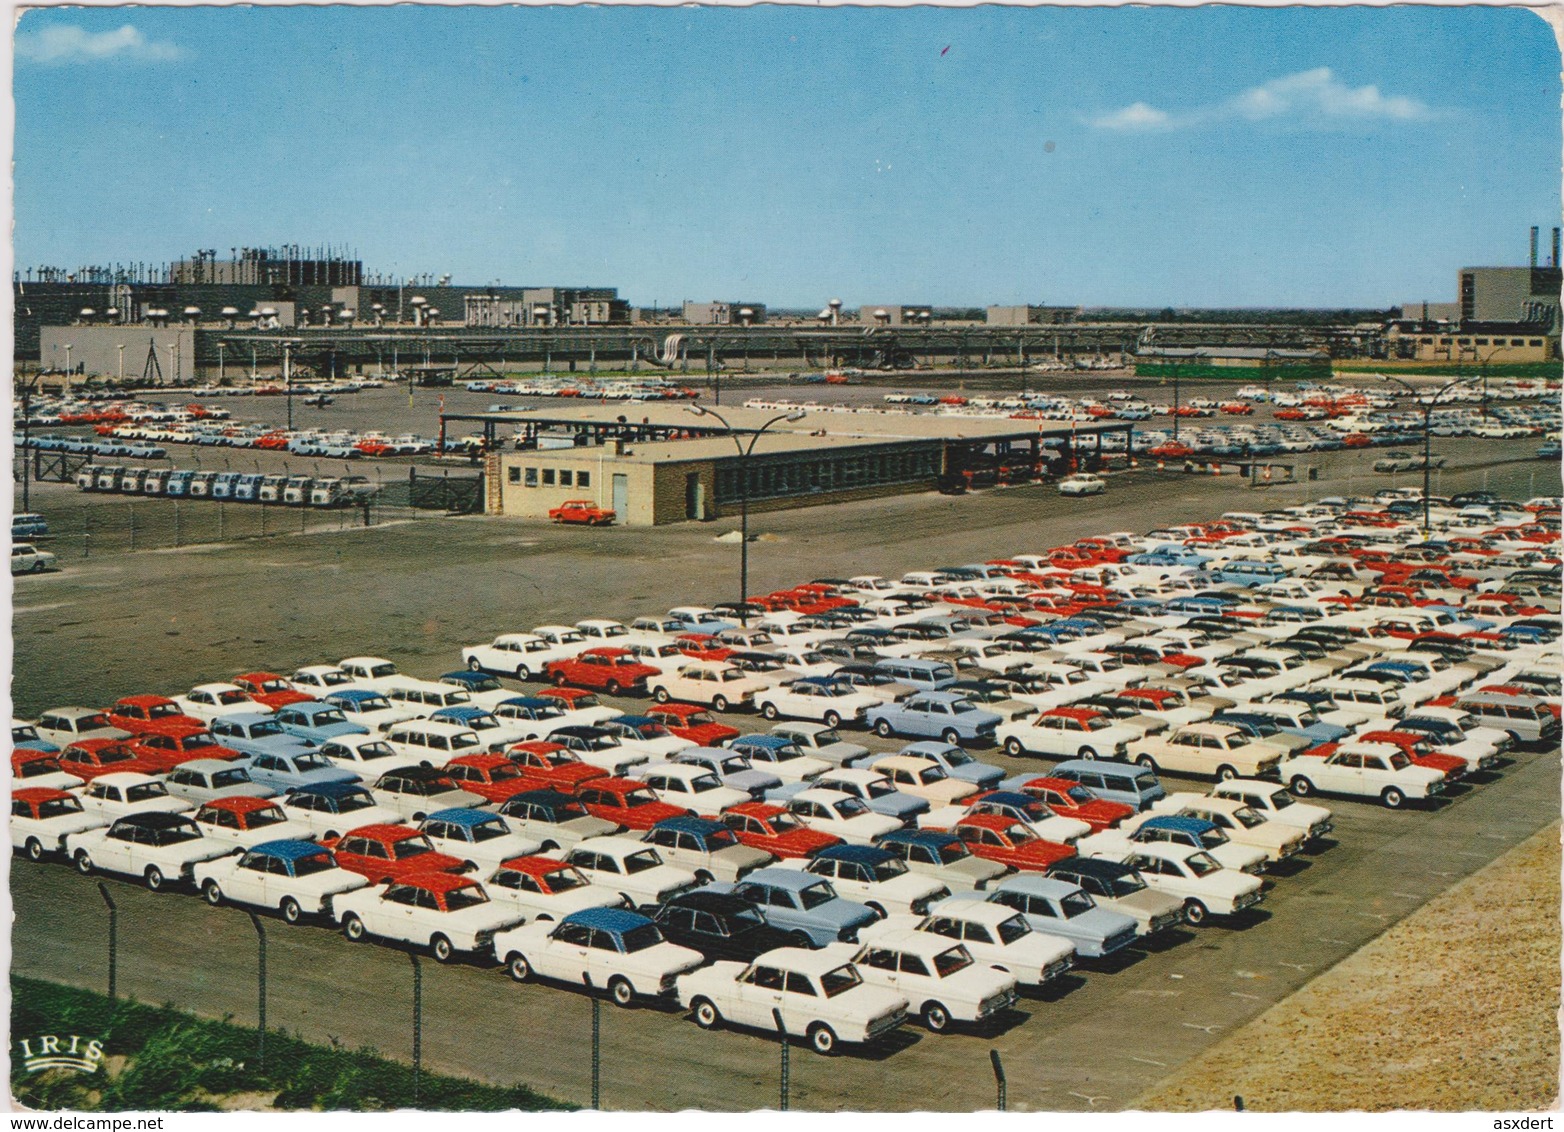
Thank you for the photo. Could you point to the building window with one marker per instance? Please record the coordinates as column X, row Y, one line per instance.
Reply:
column 1536, row 341
column 515, row 475
column 564, row 477
column 548, row 477
column 532, row 477
column 1517, row 341
column 1463, row 341
column 1484, row 342
column 583, row 479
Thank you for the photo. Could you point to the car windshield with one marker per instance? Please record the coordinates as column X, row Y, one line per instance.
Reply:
column 228, row 699
column 782, row 754
column 879, row 788
column 1013, row 929
column 1124, row 885
column 1399, row 761
column 311, row 760
column 315, row 863
column 484, row 722
column 844, row 978
column 785, row 823
column 264, row 729
column 1211, row 838
column 1201, row 864
column 328, row 717
column 1248, row 818
column 952, row 851
column 489, row 830
column 850, row 807
column 641, row 860
column 641, row 937
column 565, row 879
column 32, row 768
column 269, row 816
column 173, row 835
column 1076, row 904
column 468, row 897
column 889, row 870
column 369, row 703
column 145, row 792
column 59, row 807
column 816, row 895
column 411, row 847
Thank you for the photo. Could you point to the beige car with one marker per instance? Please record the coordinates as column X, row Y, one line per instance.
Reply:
column 1243, row 824
column 719, row 686
column 924, row 778
column 1212, row 750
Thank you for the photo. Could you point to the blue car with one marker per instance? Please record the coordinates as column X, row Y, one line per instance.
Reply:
column 287, row 773
column 1259, row 725
column 732, row 769
column 357, row 702
column 876, row 793
column 26, row 735
column 1244, row 572
column 471, row 682
column 803, row 905
column 1061, row 908
column 526, row 710
column 316, row 722
column 26, row 527
column 477, row 719
column 256, row 733
column 943, row 715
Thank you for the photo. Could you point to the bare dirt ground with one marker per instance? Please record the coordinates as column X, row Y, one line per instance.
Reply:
column 1484, row 1036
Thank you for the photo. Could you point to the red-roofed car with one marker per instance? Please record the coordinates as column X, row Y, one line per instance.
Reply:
column 627, row 801
column 774, row 829
column 270, row 689
column 552, row 766
column 389, row 852
column 492, row 777
column 168, row 751
column 1072, row 800
column 613, row 670
column 693, row 722
column 93, row 758
column 151, row 715
column 1002, row 839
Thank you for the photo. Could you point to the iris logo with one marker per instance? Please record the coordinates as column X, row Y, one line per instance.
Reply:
column 54, row 1051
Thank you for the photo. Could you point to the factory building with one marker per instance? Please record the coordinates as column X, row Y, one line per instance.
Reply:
column 1031, row 315
column 893, row 315
column 546, row 306
column 1236, row 363
column 717, row 313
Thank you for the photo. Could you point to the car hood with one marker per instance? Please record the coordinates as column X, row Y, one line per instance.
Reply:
column 1150, row 903
column 1229, row 882
column 752, row 781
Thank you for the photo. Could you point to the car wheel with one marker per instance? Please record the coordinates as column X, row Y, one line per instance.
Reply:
column 702, row 877
column 1013, row 747
column 1393, row 798
column 155, row 879
column 613, row 688
column 769, row 711
column 1194, row 912
column 83, row 863
column 523, row 672
column 833, row 719
column 801, row 939
column 34, row 849
column 291, row 912
column 936, row 1017
column 1148, row 762
column 661, row 695
column 441, row 949
column 951, row 736
column 1225, row 773
column 823, row 1039
column 353, row 928
column 620, row 990
column 883, row 728
column 472, row 663
column 212, row 893
column 517, row 967
column 549, row 847
column 560, row 679
column 876, row 908
column 705, row 1012
column 1301, row 786
column 719, row 703
column 1086, row 753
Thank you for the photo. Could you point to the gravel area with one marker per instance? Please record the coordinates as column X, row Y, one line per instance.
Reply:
column 1399, row 1025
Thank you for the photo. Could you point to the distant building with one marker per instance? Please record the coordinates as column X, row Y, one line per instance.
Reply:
column 1501, row 314
column 1031, row 316
column 894, row 315
column 547, row 306
column 717, row 313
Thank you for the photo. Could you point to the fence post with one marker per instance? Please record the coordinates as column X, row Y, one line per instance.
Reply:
column 597, row 1042
column 103, row 891
column 86, row 534
column 219, row 522
column 176, row 523
column 418, row 1022
column 787, row 1068
column 260, row 989
column 999, row 1079
column 130, row 510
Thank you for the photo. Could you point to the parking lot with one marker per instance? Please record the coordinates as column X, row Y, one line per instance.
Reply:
column 416, row 592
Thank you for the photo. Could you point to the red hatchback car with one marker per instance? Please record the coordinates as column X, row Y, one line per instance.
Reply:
column 151, row 715
column 627, row 801
column 612, row 670
column 996, row 838
column 550, row 766
column 390, row 852
column 774, row 829
column 1072, row 800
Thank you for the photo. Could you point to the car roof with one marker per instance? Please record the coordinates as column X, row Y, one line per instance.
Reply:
column 1092, row 866
column 289, row 849
column 933, row 838
column 858, row 854
column 127, row 778
column 793, row 879
column 980, row 910
column 40, row 794
column 1036, row 884
column 239, row 803
column 463, row 816
column 535, row 865
column 924, row 944
column 330, row 789
column 246, row 718
column 158, row 820
column 762, row 741
column 607, row 919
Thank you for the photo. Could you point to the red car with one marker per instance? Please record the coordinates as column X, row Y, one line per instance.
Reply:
column 996, row 838
column 270, row 689
column 702, row 646
column 1072, row 800
column 540, row 875
column 493, row 777
column 1170, row 449
column 40, row 802
column 89, row 758
column 242, row 813
column 761, row 825
column 582, row 511
column 627, row 801
column 1448, row 765
column 27, row 764
column 389, row 852
column 168, row 751
column 151, row 715
column 612, row 670
column 571, row 699
column 693, row 722
column 550, row 766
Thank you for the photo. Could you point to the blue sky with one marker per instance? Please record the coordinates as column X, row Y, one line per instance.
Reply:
column 1228, row 156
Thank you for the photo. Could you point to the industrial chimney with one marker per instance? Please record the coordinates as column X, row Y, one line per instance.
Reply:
column 1555, row 262
column 1534, row 231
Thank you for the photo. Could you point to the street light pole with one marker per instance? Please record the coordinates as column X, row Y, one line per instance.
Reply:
column 1428, row 403
column 744, row 454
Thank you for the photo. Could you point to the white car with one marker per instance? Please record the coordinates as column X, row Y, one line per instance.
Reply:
column 815, row 992
column 435, row 743
column 1276, row 804
column 1213, row 749
column 1195, row 877
column 424, row 697
column 295, row 877
column 631, row 868
column 207, row 702
column 1066, row 734
column 881, row 881
column 1243, row 825
column 369, row 709
column 334, row 809
column 925, row 778
column 320, row 680
column 556, row 823
column 646, row 736
column 245, row 821
column 995, row 935
column 371, row 672
column 28, row 559
column 601, row 947
column 781, row 757
column 542, row 888
column 1128, row 837
column 522, row 655
column 941, row 980
column 707, row 848
column 839, row 814
column 159, row 847
column 565, row 637
column 43, row 817
column 1082, row 483
column 112, row 796
column 364, row 755
column 477, row 837
column 821, row 742
column 414, row 792
column 720, row 686
column 826, row 701
column 1391, row 777
column 693, row 787
column 446, row 913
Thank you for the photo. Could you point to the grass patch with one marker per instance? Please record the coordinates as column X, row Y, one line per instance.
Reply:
column 161, row 1059
column 1494, row 369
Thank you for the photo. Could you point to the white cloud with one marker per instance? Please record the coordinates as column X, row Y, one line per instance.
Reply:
column 66, row 43
column 1313, row 97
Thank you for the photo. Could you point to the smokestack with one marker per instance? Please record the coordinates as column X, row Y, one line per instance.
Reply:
column 1534, row 231
column 1555, row 262
column 1425, row 310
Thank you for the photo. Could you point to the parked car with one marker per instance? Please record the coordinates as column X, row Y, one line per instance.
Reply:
column 804, row 906
column 612, row 670
column 161, row 848
column 246, row 820
column 997, row 936
column 333, row 808
column 28, row 559
column 773, row 829
column 444, row 913
column 720, row 926
column 875, row 877
column 621, row 951
column 941, row 980
column 544, row 888
column 1391, row 777
column 297, row 878
column 583, row 512
column 479, row 839
column 943, row 715
column 705, row 847
column 1195, row 877
column 629, row 867
column 1082, row 483
column 42, row 817
column 710, row 682
column 1120, row 887
column 1058, row 907
column 556, row 821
